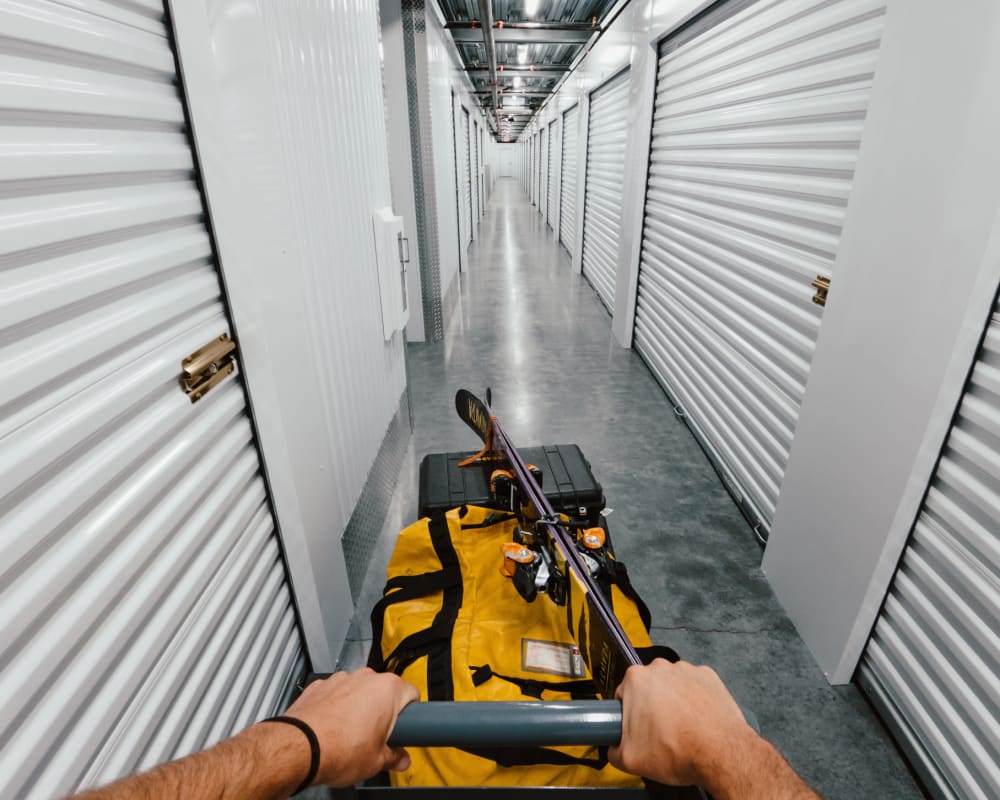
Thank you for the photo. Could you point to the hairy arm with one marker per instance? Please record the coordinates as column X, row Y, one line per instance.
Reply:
column 267, row 760
column 681, row 726
column 352, row 716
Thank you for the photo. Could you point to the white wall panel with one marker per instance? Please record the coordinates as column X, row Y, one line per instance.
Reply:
column 267, row 95
column 345, row 182
column 126, row 510
column 508, row 161
column 400, row 143
column 446, row 76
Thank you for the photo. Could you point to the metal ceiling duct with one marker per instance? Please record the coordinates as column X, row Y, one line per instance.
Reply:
column 486, row 17
column 529, row 56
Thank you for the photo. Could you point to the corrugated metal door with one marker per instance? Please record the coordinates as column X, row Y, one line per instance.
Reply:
column 531, row 169
column 550, row 203
column 534, row 145
column 602, row 208
column 474, row 168
column 146, row 609
column 536, row 177
column 931, row 665
column 484, row 189
column 757, row 123
column 570, row 169
column 466, row 178
column 543, row 173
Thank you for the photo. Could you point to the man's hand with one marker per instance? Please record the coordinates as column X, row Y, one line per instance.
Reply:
column 681, row 726
column 352, row 715
column 676, row 720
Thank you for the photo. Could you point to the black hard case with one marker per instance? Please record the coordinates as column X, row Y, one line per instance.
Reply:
column 566, row 480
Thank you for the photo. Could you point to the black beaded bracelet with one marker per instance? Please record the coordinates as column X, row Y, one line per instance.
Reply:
column 313, row 747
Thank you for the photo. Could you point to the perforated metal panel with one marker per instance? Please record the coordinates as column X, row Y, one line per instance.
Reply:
column 756, row 129
column 466, row 177
column 602, row 210
column 553, row 171
column 570, row 170
column 933, row 660
column 146, row 611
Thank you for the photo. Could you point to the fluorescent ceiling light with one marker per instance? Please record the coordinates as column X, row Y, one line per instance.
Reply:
column 522, row 54
column 518, row 81
column 530, row 7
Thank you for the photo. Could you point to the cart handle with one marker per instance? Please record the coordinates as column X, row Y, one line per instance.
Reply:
column 508, row 724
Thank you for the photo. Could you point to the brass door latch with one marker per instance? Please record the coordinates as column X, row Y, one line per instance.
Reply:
column 207, row 367
column 822, row 286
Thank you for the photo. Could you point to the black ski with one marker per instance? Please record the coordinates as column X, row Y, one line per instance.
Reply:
column 603, row 642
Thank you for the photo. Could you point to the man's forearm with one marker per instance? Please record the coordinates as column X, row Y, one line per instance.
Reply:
column 265, row 761
column 753, row 768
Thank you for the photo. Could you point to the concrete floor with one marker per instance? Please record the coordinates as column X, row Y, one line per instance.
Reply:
column 536, row 332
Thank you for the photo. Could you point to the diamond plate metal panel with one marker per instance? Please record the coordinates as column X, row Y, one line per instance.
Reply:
column 422, row 159
column 366, row 522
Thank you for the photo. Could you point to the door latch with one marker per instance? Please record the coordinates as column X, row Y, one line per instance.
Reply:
column 207, row 367
column 822, row 286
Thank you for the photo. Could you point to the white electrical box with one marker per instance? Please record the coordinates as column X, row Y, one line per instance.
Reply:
column 392, row 252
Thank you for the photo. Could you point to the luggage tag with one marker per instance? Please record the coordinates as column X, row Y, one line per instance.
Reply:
column 552, row 658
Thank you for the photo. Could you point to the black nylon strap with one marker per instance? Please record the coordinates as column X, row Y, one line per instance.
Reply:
column 440, row 682
column 619, row 576
column 490, row 521
column 434, row 641
column 647, row 654
column 577, row 689
column 534, row 756
column 408, row 587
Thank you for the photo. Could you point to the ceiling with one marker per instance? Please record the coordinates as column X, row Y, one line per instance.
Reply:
column 536, row 43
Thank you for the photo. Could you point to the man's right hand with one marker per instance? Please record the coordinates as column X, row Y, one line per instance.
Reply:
column 677, row 721
column 680, row 726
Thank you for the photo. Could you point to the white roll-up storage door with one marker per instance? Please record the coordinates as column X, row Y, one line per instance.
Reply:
column 932, row 663
column 756, row 129
column 543, row 172
column 466, row 177
column 146, row 609
column 474, row 171
column 553, row 171
column 570, row 170
column 536, row 167
column 531, row 169
column 602, row 208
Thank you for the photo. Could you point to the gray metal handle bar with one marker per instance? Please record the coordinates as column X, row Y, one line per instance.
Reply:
column 475, row 724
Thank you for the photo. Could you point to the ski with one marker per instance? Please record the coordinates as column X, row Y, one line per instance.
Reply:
column 552, row 558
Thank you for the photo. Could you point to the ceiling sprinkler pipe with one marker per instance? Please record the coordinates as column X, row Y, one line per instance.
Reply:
column 486, row 18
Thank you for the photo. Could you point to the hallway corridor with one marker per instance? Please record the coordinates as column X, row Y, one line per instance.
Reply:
column 535, row 332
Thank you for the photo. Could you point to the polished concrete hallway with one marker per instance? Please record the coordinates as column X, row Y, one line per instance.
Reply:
column 536, row 332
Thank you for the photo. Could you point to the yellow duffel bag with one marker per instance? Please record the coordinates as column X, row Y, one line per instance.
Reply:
column 453, row 625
